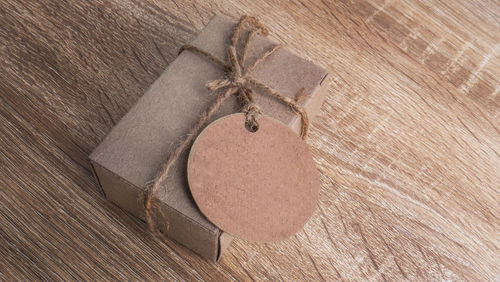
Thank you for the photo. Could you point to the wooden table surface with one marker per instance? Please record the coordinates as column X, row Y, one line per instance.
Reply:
column 408, row 141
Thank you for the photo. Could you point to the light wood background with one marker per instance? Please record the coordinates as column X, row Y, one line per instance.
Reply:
column 408, row 141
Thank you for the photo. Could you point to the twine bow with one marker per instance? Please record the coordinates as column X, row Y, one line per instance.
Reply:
column 237, row 81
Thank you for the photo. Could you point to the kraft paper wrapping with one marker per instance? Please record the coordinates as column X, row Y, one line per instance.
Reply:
column 130, row 155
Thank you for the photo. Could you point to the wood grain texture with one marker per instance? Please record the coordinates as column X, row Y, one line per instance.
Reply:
column 408, row 141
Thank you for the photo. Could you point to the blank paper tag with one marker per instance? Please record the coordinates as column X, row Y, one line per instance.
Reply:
column 261, row 186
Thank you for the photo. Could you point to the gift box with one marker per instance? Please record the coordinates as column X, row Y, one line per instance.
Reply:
column 126, row 161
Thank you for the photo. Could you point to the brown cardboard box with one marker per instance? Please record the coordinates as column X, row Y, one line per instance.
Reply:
column 130, row 155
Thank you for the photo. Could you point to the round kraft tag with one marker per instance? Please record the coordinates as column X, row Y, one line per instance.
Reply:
column 260, row 186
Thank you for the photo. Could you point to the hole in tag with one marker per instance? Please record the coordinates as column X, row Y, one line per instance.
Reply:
column 252, row 126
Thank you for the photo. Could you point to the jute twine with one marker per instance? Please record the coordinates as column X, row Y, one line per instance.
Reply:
column 237, row 81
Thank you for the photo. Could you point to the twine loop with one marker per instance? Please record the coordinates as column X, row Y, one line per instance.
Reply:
column 252, row 113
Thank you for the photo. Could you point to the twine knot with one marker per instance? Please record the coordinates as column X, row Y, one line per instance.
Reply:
column 238, row 81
